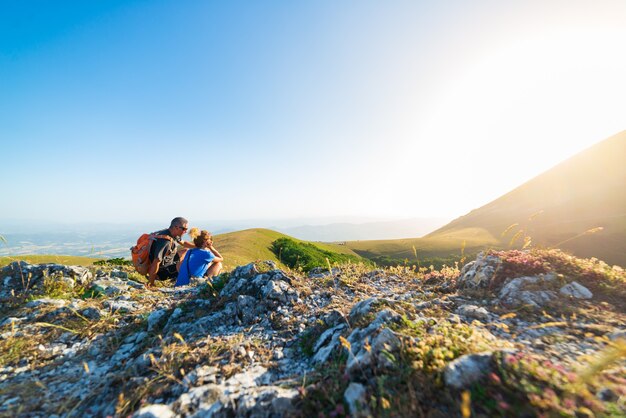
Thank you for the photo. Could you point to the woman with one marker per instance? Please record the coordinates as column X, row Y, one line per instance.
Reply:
column 202, row 261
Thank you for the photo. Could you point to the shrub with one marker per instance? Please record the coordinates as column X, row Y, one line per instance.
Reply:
column 306, row 256
column 113, row 262
column 592, row 273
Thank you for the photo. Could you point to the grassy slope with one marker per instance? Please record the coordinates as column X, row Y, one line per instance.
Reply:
column 238, row 248
column 444, row 246
column 582, row 193
column 577, row 195
column 242, row 247
column 58, row 259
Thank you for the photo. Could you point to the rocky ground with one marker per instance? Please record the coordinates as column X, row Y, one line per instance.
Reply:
column 536, row 333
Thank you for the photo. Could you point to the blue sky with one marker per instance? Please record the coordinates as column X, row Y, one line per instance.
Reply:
column 117, row 111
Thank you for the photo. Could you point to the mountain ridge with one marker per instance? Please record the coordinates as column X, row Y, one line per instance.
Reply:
column 564, row 206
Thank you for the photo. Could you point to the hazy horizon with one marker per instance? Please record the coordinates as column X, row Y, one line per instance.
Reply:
column 101, row 239
column 237, row 110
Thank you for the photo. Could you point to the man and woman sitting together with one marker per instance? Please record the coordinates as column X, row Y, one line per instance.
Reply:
column 172, row 258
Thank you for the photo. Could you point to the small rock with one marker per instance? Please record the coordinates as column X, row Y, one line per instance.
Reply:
column 514, row 293
column 362, row 308
column 326, row 344
column 356, row 398
column 92, row 313
column 155, row 318
column 607, row 395
column 119, row 274
column 473, row 311
column 278, row 354
column 576, row 291
column 614, row 336
column 480, row 272
column 155, row 411
column 58, row 303
column 467, row 369
column 120, row 305
column 255, row 376
column 454, row 319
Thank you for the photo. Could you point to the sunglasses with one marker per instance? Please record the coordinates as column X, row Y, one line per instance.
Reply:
column 182, row 227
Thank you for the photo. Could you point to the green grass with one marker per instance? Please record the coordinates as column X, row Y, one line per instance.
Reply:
column 306, row 256
column 49, row 258
column 247, row 246
column 423, row 251
column 238, row 248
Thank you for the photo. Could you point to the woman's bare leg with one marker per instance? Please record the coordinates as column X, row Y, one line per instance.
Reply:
column 214, row 269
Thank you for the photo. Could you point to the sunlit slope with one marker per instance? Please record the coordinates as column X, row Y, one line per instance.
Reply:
column 242, row 247
column 563, row 206
column 56, row 259
column 448, row 247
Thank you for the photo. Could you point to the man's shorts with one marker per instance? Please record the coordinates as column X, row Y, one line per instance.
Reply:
column 166, row 273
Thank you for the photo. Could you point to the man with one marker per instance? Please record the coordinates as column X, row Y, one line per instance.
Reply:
column 167, row 253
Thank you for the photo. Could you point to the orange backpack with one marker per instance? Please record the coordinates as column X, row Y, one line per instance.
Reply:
column 140, row 253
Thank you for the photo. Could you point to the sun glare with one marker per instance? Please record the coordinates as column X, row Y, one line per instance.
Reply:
column 551, row 95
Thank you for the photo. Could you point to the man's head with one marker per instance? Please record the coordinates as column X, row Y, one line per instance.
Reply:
column 178, row 226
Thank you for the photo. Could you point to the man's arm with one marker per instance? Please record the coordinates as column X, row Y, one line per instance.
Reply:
column 187, row 244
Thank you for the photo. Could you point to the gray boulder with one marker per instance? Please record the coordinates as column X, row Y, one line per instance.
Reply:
column 467, row 369
column 480, row 272
column 576, row 291
column 473, row 311
column 356, row 398
column 514, row 292
column 155, row 411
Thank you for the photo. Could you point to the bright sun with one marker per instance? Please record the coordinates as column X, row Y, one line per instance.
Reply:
column 546, row 97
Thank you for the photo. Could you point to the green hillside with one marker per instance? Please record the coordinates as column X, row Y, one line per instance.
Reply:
column 243, row 247
column 579, row 206
column 445, row 249
column 238, row 248
column 57, row 259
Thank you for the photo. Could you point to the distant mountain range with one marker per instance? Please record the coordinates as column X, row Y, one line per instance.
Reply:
column 345, row 231
column 103, row 240
column 578, row 206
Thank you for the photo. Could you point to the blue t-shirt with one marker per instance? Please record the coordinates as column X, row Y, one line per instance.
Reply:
column 195, row 264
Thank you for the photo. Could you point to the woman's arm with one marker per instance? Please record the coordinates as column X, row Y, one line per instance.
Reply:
column 218, row 256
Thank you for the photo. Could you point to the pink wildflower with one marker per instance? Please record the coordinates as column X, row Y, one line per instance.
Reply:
column 511, row 359
column 495, row 378
column 569, row 403
column 550, row 393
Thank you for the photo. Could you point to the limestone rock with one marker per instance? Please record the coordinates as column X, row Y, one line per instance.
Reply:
column 514, row 292
column 326, row 344
column 467, row 369
column 576, row 291
column 479, row 273
column 58, row 303
column 356, row 398
column 473, row 311
column 155, row 411
column 362, row 308
column 155, row 318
